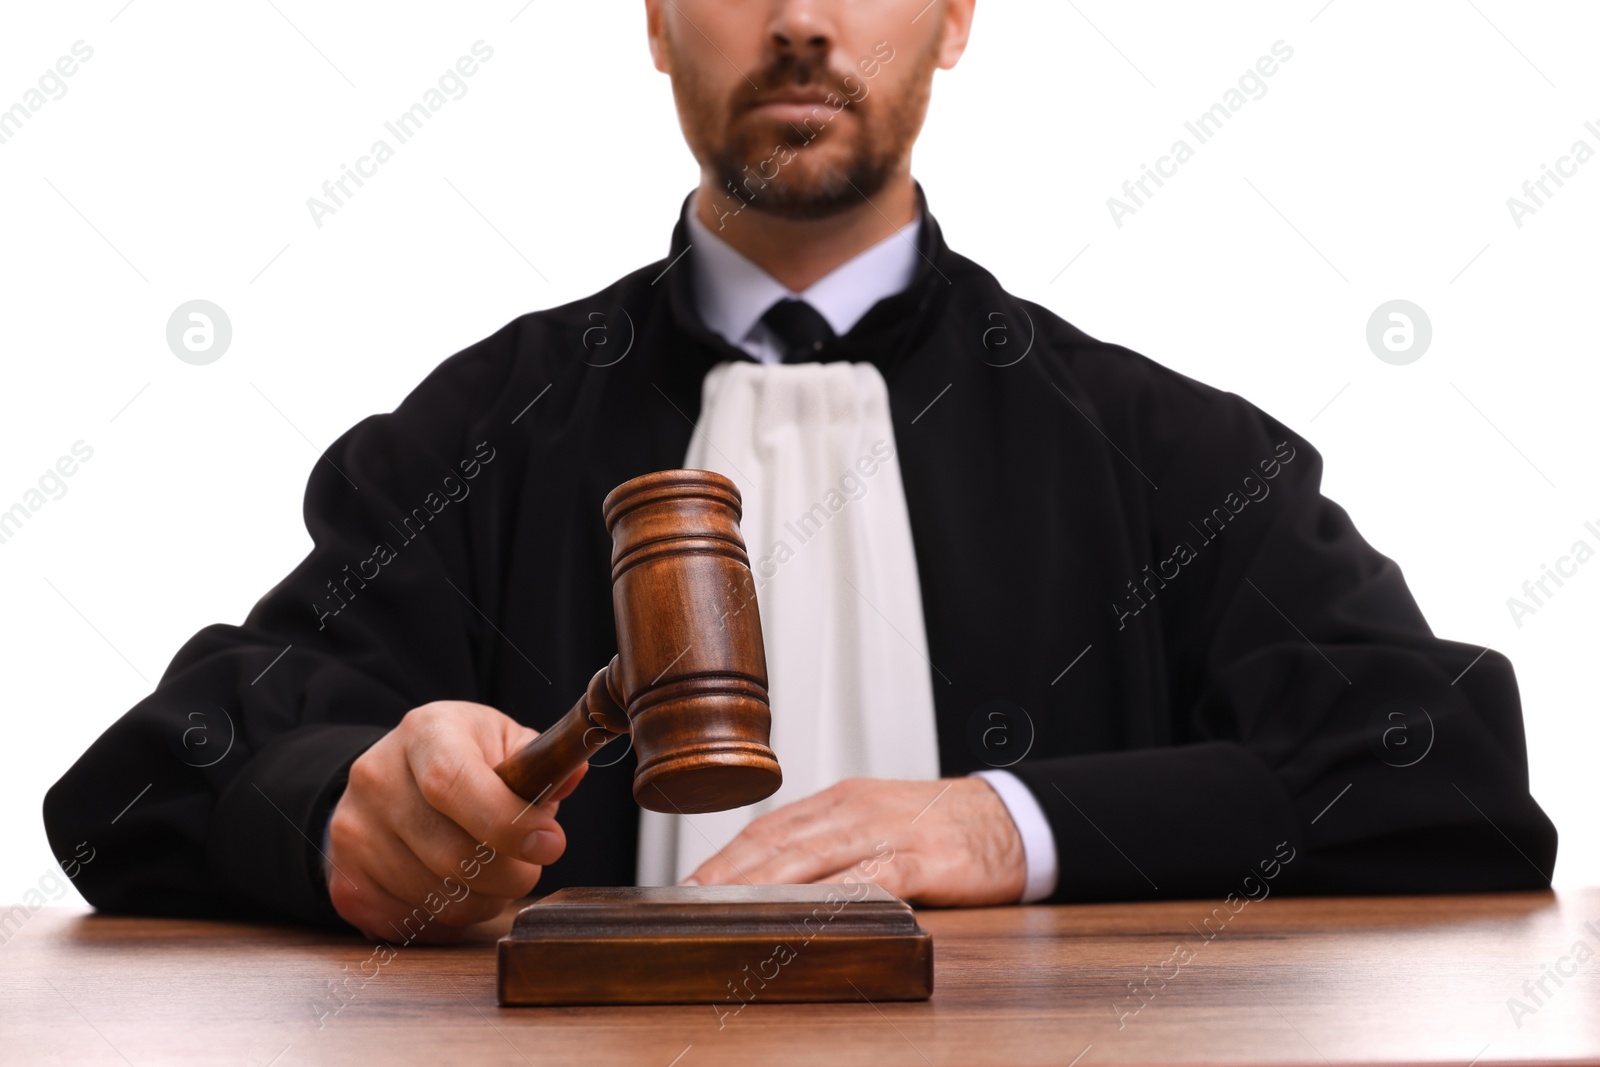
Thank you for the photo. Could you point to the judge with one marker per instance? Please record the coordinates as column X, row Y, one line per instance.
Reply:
column 1045, row 621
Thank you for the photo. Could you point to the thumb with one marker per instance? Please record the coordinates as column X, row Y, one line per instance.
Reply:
column 565, row 789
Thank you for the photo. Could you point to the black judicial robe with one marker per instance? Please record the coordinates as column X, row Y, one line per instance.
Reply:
column 1249, row 679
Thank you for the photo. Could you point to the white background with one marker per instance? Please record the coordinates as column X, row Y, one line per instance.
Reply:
column 1377, row 166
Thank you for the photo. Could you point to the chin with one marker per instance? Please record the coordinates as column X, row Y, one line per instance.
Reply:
column 809, row 201
column 804, row 181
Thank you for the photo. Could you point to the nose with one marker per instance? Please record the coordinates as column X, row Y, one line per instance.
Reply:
column 802, row 26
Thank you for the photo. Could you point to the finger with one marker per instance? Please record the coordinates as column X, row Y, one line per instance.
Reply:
column 403, row 873
column 446, row 850
column 513, row 738
column 752, row 848
column 382, row 917
column 366, row 848
column 365, row 904
column 790, row 846
column 551, row 803
column 813, row 857
column 857, row 878
column 855, row 886
column 564, row 790
column 458, row 782
column 850, row 878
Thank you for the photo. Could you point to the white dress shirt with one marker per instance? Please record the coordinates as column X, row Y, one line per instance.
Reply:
column 732, row 294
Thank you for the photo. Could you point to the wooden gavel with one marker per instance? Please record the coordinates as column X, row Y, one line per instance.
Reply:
column 689, row 679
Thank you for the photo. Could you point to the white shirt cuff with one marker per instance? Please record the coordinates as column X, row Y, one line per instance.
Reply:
column 1038, row 843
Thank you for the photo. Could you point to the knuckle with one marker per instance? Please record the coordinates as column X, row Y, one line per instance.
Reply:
column 425, row 723
column 440, row 779
column 422, row 715
column 344, row 829
column 814, row 851
column 347, row 900
column 906, row 878
column 364, row 774
column 847, row 791
column 766, row 833
column 450, row 866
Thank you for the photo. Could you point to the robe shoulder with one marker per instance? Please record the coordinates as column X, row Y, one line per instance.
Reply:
column 1160, row 418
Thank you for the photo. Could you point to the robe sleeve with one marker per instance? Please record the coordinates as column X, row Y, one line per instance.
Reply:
column 1321, row 732
column 209, row 797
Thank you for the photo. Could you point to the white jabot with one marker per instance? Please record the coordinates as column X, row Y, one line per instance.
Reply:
column 811, row 447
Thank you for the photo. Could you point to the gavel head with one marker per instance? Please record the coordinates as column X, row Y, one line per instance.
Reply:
column 691, row 671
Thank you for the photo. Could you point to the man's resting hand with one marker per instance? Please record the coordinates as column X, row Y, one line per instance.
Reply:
column 425, row 828
column 942, row 842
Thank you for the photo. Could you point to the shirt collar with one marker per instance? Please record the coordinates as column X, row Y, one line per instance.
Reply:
column 887, row 336
column 732, row 293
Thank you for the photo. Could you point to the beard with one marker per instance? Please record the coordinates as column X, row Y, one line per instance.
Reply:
column 845, row 153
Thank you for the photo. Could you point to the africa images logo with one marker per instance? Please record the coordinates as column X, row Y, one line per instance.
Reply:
column 1254, row 490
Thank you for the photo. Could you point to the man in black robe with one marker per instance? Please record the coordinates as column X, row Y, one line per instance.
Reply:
column 1216, row 681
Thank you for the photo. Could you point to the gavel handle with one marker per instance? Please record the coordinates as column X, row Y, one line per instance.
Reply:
column 551, row 758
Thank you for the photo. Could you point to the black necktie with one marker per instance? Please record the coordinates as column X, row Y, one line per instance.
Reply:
column 799, row 328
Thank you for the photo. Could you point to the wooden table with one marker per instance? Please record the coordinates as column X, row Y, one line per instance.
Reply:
column 1393, row 979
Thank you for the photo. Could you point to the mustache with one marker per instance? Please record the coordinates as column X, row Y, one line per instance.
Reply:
column 793, row 71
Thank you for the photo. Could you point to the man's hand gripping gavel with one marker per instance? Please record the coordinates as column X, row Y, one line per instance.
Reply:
column 452, row 814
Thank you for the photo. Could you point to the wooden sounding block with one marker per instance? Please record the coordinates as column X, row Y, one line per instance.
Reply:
column 722, row 945
column 689, row 685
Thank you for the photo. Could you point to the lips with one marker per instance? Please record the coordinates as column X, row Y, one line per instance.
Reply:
column 811, row 97
column 794, row 106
